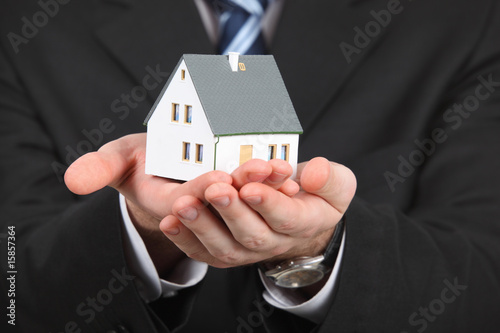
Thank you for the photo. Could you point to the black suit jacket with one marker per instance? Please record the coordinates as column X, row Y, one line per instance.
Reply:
column 422, row 234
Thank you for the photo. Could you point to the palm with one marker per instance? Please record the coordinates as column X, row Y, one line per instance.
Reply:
column 120, row 164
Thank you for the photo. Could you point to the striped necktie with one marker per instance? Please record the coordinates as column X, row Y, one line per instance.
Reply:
column 240, row 29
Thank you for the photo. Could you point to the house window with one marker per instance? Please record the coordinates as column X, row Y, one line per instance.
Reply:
column 188, row 115
column 175, row 112
column 186, row 148
column 199, row 153
column 284, row 152
column 183, row 74
column 271, row 152
column 246, row 152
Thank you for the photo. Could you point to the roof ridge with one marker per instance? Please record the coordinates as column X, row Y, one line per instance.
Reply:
column 253, row 99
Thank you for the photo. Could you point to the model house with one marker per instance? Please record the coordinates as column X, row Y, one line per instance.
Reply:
column 218, row 111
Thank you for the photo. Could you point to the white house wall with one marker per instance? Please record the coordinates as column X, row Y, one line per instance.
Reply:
column 228, row 149
column 165, row 138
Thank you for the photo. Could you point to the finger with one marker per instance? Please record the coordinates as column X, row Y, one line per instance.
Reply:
column 331, row 181
column 303, row 215
column 109, row 165
column 222, row 250
column 196, row 187
column 274, row 173
column 254, row 170
column 280, row 178
column 159, row 194
column 245, row 224
column 282, row 170
column 289, row 188
column 183, row 238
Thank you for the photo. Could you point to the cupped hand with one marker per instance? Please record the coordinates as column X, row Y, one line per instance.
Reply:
column 264, row 219
column 120, row 164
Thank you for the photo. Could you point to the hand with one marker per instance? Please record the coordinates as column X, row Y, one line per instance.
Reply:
column 260, row 222
column 120, row 164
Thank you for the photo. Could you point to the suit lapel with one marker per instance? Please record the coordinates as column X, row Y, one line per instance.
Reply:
column 307, row 49
column 151, row 33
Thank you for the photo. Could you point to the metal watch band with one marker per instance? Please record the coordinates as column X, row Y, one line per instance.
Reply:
column 331, row 251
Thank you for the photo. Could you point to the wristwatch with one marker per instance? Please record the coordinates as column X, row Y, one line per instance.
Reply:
column 304, row 271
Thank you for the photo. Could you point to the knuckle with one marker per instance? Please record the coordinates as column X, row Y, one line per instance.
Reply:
column 286, row 226
column 196, row 255
column 256, row 242
column 229, row 257
column 217, row 176
column 212, row 177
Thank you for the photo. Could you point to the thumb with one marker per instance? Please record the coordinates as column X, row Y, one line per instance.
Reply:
column 333, row 182
column 108, row 166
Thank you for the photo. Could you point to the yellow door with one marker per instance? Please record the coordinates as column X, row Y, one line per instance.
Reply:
column 245, row 153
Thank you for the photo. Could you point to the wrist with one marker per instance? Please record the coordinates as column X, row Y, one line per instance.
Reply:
column 315, row 246
column 143, row 222
column 303, row 271
column 164, row 254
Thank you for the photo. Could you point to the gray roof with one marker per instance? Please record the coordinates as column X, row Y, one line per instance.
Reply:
column 243, row 102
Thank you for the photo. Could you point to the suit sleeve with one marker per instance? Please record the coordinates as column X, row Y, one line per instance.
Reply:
column 71, row 270
column 434, row 266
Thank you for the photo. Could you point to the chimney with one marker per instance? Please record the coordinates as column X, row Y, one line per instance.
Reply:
column 233, row 60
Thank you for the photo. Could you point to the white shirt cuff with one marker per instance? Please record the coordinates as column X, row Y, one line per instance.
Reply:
column 189, row 272
column 314, row 309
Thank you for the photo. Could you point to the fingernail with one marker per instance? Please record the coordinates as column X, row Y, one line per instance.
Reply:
column 276, row 177
column 173, row 231
column 253, row 200
column 221, row 201
column 256, row 177
column 188, row 213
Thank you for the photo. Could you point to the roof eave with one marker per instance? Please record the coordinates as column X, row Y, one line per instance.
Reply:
column 160, row 96
column 259, row 133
